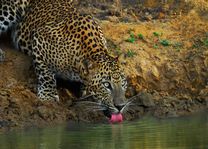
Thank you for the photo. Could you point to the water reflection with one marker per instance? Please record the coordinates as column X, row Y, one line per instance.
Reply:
column 181, row 133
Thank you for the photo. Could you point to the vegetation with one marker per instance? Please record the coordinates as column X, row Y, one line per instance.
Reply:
column 156, row 34
column 165, row 42
column 133, row 38
column 130, row 53
column 140, row 36
column 206, row 42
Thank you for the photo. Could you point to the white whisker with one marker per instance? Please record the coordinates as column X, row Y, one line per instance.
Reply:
column 91, row 106
column 112, row 108
column 101, row 109
column 85, row 97
column 129, row 110
column 126, row 105
column 88, row 103
column 90, row 109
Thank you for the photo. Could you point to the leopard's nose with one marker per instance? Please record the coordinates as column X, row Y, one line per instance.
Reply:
column 119, row 107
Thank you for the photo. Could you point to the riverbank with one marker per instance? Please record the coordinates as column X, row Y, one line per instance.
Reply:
column 165, row 59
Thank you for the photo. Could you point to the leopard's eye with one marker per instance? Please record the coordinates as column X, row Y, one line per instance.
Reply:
column 124, row 84
column 107, row 85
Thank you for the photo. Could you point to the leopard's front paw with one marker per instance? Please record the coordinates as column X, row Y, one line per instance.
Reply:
column 43, row 96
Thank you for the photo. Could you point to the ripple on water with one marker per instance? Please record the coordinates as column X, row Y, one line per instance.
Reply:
column 185, row 133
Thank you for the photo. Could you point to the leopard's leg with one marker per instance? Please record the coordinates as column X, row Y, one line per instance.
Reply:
column 46, row 76
column 46, row 82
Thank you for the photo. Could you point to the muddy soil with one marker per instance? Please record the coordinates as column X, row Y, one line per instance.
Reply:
column 165, row 59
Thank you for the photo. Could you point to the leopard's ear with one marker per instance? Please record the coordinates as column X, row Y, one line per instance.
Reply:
column 89, row 67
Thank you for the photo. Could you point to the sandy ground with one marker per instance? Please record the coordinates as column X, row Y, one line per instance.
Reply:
column 166, row 62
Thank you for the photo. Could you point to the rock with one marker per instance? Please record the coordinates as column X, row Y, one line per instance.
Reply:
column 147, row 16
column 4, row 93
column 113, row 19
column 172, row 113
column 128, row 19
column 4, row 123
column 114, row 12
column 145, row 99
column 206, row 102
column 161, row 15
column 43, row 112
column 155, row 73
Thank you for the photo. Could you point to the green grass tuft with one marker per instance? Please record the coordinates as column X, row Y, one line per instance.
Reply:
column 140, row 36
column 165, row 42
column 156, row 34
column 130, row 53
column 206, row 42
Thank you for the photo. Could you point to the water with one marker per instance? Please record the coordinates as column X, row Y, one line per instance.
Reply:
column 147, row 133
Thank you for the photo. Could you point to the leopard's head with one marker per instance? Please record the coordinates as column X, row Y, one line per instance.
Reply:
column 107, row 85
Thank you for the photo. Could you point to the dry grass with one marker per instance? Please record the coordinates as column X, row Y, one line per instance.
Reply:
column 201, row 5
column 165, row 68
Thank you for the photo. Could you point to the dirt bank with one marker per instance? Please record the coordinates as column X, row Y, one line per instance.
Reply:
column 166, row 63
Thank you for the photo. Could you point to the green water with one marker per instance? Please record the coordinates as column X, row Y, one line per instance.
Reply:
column 147, row 133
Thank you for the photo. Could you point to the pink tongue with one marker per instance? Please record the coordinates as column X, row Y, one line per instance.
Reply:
column 116, row 118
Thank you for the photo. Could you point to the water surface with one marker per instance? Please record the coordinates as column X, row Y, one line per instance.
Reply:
column 147, row 133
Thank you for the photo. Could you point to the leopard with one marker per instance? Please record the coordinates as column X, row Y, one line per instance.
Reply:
column 11, row 12
column 64, row 43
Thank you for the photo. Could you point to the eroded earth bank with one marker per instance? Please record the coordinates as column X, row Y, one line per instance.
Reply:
column 164, row 54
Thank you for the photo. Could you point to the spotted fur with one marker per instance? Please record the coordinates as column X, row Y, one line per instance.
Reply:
column 66, row 44
column 10, row 12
